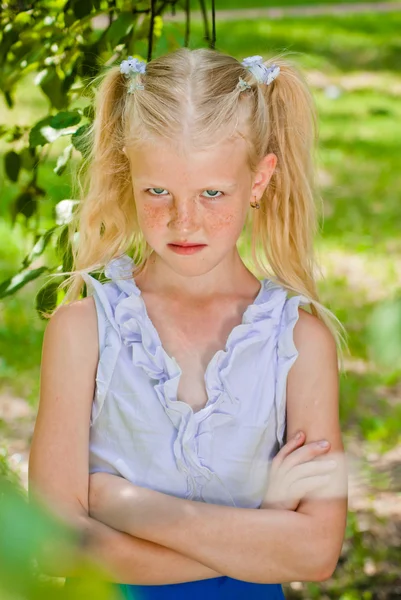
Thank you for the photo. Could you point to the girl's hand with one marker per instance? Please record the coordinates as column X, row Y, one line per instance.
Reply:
column 294, row 474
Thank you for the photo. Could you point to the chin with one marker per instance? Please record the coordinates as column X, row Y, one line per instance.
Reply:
column 190, row 269
column 188, row 266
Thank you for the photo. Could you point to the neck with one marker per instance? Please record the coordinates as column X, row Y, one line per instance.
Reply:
column 228, row 278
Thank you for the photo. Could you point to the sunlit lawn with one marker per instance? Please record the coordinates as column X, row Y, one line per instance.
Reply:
column 351, row 63
column 240, row 4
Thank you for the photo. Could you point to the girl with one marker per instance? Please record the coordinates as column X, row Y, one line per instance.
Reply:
column 172, row 380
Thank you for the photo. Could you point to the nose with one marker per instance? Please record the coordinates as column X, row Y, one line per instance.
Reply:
column 185, row 216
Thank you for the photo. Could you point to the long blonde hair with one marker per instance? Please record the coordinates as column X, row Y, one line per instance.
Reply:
column 194, row 94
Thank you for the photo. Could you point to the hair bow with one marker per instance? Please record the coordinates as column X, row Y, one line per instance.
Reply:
column 262, row 73
column 131, row 68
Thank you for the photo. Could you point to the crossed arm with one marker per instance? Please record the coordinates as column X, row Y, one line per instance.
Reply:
column 265, row 545
column 173, row 540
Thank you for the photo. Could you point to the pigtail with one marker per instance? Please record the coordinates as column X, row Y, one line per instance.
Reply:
column 98, row 229
column 107, row 178
column 287, row 223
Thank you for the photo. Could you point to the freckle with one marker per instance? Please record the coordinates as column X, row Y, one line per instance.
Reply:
column 152, row 217
column 222, row 221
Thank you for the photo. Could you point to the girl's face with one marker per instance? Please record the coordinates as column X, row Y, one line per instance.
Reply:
column 195, row 198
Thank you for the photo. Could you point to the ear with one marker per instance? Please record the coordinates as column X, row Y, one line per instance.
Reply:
column 263, row 175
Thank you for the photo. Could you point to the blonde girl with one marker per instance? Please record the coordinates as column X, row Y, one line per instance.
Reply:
column 172, row 393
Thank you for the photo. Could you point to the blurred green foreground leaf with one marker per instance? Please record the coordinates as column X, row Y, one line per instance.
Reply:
column 26, row 529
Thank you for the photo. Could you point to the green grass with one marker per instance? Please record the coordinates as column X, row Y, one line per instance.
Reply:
column 240, row 4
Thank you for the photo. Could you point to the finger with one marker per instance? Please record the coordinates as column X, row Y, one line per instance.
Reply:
column 311, row 468
column 288, row 448
column 303, row 474
column 322, row 487
column 305, row 453
column 304, row 487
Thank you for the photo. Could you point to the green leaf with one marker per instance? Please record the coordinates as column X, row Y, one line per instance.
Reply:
column 64, row 249
column 62, row 242
column 68, row 259
column 27, row 527
column 89, row 62
column 9, row 37
column 39, row 247
column 82, row 8
column 142, row 32
column 63, row 160
column 25, row 204
column 69, row 17
column 28, row 158
column 81, row 140
column 22, row 19
column 51, row 84
column 13, row 284
column 65, row 119
column 14, row 134
column 24, row 47
column 89, row 112
column 12, row 165
column 46, row 298
column 119, row 28
column 42, row 133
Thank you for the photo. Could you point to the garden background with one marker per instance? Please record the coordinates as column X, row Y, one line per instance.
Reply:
column 351, row 55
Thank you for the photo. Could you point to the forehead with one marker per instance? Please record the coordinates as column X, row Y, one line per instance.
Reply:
column 224, row 160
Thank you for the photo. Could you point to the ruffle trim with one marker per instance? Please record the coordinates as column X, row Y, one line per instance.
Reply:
column 270, row 314
column 138, row 332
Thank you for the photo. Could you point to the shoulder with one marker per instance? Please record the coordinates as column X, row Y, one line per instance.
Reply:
column 312, row 337
column 73, row 326
column 313, row 380
column 316, row 365
column 78, row 314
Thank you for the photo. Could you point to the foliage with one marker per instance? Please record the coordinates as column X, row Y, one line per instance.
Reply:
column 62, row 42
column 359, row 160
column 29, row 531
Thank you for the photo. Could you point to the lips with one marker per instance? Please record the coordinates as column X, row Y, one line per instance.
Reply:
column 186, row 250
column 186, row 245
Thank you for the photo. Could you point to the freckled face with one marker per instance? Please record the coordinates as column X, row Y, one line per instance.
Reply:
column 200, row 197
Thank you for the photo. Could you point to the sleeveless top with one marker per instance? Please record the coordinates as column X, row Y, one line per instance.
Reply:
column 142, row 432
column 219, row 454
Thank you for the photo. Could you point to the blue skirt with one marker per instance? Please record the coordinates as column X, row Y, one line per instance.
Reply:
column 218, row 588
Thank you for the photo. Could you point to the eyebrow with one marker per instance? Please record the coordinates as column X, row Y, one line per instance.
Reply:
column 224, row 184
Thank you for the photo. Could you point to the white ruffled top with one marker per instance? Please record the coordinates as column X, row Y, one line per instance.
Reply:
column 139, row 429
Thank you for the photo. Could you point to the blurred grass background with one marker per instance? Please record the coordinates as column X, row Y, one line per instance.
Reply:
column 240, row 4
column 352, row 63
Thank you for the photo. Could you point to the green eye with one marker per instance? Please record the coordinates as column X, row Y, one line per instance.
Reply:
column 216, row 191
column 155, row 189
column 208, row 191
